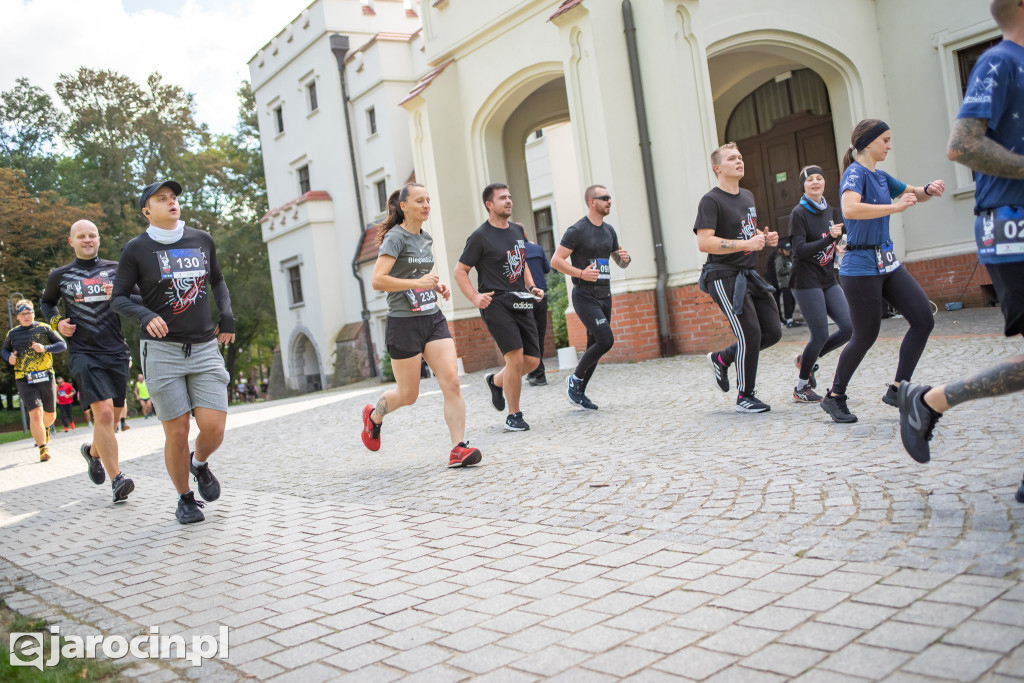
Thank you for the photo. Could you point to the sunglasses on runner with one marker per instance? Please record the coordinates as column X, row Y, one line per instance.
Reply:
column 604, row 198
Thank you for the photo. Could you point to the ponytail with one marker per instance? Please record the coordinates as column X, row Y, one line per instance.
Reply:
column 395, row 214
column 864, row 133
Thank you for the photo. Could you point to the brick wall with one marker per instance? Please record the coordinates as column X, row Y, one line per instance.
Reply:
column 943, row 279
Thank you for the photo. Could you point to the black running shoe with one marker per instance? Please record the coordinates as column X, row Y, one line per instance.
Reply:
column 515, row 423
column 806, row 395
column 121, row 486
column 890, row 398
column 587, row 404
column 537, row 380
column 721, row 372
column 189, row 510
column 497, row 396
column 751, row 404
column 96, row 473
column 835, row 406
column 1020, row 492
column 209, row 487
column 917, row 420
column 573, row 391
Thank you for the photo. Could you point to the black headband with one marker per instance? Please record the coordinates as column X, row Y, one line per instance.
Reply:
column 23, row 308
column 809, row 171
column 867, row 138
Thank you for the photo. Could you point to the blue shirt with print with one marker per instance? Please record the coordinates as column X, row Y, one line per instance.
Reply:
column 874, row 187
column 995, row 93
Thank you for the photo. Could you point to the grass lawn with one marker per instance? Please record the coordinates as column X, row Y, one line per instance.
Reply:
column 67, row 670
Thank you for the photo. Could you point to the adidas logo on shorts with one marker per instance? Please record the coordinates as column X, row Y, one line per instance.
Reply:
column 523, row 305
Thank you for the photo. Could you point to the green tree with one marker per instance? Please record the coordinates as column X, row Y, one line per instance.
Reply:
column 30, row 127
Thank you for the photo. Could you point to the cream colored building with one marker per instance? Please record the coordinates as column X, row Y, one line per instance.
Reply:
column 787, row 79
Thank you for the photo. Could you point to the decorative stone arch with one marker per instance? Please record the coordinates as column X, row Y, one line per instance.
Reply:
column 842, row 78
column 529, row 99
column 305, row 370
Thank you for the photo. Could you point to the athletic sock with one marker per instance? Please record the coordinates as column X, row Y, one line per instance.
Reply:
column 122, row 422
column 196, row 463
column 801, row 383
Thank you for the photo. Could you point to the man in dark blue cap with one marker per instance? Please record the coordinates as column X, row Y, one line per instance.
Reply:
column 175, row 269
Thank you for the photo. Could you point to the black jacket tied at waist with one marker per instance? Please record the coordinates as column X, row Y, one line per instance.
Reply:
column 743, row 275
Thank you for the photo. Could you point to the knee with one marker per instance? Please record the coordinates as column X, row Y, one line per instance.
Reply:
column 514, row 360
column 103, row 415
column 407, row 396
column 530, row 363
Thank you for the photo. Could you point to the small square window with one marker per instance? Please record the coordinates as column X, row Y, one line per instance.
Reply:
column 303, row 179
column 371, row 121
column 279, row 118
column 311, row 97
column 382, row 195
column 295, row 284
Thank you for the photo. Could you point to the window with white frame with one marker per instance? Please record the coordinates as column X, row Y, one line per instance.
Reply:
column 371, row 121
column 303, row 174
column 381, row 187
column 279, row 119
column 311, row 97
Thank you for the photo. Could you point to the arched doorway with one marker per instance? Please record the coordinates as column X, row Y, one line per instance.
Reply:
column 780, row 127
column 305, row 365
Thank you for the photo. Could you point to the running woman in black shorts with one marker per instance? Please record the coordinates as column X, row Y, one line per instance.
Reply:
column 988, row 137
column 98, row 354
column 416, row 328
column 176, row 269
column 870, row 272
column 505, row 296
column 589, row 243
column 29, row 347
column 814, row 229
column 726, row 229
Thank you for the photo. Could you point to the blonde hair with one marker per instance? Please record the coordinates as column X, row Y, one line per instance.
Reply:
column 716, row 156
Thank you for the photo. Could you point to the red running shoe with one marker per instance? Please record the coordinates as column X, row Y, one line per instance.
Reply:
column 371, row 430
column 463, row 456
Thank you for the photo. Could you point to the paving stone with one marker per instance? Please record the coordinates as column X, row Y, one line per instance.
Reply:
column 864, row 661
column 695, row 662
column 623, row 661
column 958, row 663
column 776, row 618
column 985, row 635
column 551, row 660
column 898, row 635
column 786, row 660
column 739, row 640
column 821, row 636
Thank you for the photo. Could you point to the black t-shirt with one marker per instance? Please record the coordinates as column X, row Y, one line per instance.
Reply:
column 592, row 244
column 86, row 304
column 173, row 280
column 499, row 256
column 732, row 217
column 813, row 247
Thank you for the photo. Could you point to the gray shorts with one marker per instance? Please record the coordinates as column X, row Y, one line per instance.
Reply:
column 178, row 383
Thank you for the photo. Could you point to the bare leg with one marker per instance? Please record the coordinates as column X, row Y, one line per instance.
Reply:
column 211, row 425
column 35, row 425
column 176, row 453
column 441, row 356
column 406, row 391
column 104, row 443
column 1005, row 377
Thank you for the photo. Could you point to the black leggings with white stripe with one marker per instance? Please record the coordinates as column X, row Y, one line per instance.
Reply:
column 757, row 327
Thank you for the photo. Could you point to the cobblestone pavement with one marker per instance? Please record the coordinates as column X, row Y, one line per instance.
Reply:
column 663, row 537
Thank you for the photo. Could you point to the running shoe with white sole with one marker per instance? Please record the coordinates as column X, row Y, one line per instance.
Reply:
column 515, row 423
column 121, row 486
column 464, row 456
column 371, row 430
column 587, row 404
column 812, row 382
column 573, row 391
column 751, row 404
column 96, row 473
column 917, row 420
column 806, row 395
column 497, row 395
column 721, row 371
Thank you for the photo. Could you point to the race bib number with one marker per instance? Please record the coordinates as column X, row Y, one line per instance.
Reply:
column 1000, row 235
column 421, row 299
column 90, row 290
column 181, row 264
column 37, row 376
column 601, row 266
column 885, row 259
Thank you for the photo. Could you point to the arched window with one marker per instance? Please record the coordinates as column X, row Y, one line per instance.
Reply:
column 802, row 91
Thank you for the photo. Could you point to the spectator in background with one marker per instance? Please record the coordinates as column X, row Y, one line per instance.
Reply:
column 537, row 260
column 65, row 400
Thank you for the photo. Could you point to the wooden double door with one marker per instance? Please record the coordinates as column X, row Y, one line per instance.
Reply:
column 772, row 163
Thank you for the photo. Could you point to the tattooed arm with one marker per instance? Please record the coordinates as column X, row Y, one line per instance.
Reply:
column 1005, row 377
column 969, row 146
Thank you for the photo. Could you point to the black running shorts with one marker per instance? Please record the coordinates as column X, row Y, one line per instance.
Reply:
column 38, row 395
column 511, row 324
column 1008, row 280
column 99, row 378
column 406, row 337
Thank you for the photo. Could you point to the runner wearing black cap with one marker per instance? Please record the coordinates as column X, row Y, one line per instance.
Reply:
column 505, row 297
column 814, row 229
column 175, row 268
column 870, row 272
column 590, row 242
column 987, row 137
column 416, row 326
column 726, row 229
column 98, row 354
column 29, row 347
